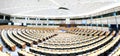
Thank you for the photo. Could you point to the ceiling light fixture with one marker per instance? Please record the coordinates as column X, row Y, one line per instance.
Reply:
column 64, row 8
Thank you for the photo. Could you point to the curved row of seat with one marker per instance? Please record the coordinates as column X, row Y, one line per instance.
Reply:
column 10, row 45
column 85, row 32
column 17, row 36
column 117, row 52
column 75, row 41
column 69, row 45
column 22, row 52
column 104, row 48
column 4, row 54
column 18, row 42
column 39, row 35
column 79, row 50
column 35, row 41
column 28, row 42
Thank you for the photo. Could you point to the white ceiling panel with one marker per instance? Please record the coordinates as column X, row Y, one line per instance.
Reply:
column 50, row 8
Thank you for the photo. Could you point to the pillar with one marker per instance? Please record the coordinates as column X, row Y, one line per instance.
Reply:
column 4, row 17
column 36, row 21
column 101, row 22
column 91, row 18
column 47, row 22
column 115, row 14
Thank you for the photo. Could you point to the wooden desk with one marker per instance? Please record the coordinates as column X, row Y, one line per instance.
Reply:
column 4, row 54
column 28, row 42
column 1, row 47
column 10, row 45
column 117, row 52
column 35, row 41
column 24, row 53
column 18, row 42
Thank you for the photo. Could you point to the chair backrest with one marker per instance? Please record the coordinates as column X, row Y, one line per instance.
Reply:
column 107, row 33
column 113, row 33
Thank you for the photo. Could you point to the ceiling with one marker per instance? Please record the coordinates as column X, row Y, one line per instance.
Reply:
column 51, row 8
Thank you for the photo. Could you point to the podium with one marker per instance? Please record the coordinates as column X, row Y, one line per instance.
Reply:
column 68, row 25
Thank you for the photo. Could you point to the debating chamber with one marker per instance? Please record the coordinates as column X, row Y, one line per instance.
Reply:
column 59, row 27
